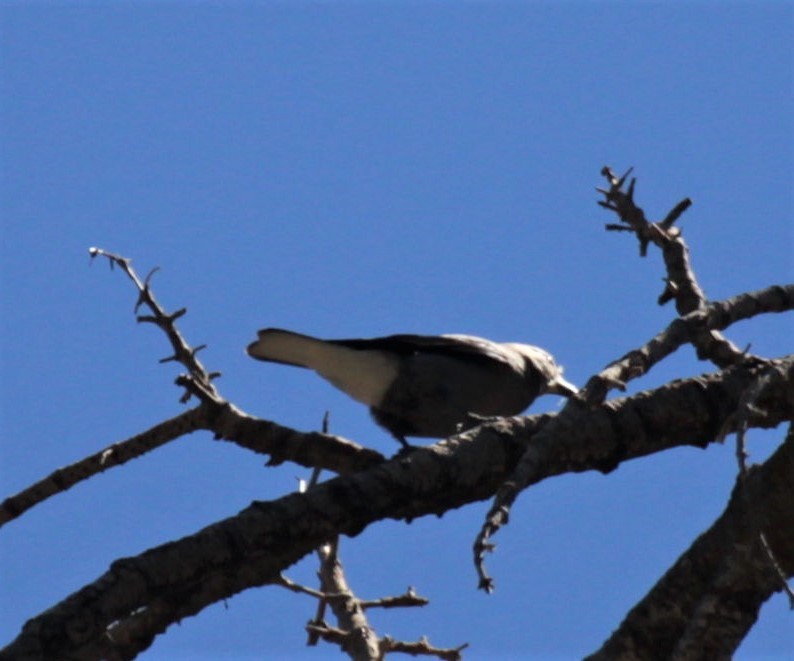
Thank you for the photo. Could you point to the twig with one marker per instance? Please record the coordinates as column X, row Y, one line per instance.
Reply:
column 198, row 381
column 355, row 634
column 292, row 586
column 322, row 604
column 680, row 283
column 421, row 647
column 407, row 600
column 716, row 316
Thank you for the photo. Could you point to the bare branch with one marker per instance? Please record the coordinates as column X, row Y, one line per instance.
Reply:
column 421, row 648
column 704, row 605
column 198, row 381
column 748, row 407
column 675, row 213
column 562, row 436
column 361, row 641
column 255, row 546
column 214, row 414
column 715, row 316
column 292, row 586
column 111, row 456
column 121, row 613
column 348, row 609
column 406, row 600
column 681, row 284
column 694, row 328
column 330, row 634
column 346, row 639
column 228, row 423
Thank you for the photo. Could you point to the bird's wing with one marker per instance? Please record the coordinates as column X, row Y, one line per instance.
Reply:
column 466, row 347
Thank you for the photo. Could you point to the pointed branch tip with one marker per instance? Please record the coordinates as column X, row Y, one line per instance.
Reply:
column 149, row 275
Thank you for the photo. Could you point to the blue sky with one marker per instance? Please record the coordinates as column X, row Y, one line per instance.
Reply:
column 358, row 169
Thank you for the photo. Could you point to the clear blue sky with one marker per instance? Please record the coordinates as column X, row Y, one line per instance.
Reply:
column 358, row 169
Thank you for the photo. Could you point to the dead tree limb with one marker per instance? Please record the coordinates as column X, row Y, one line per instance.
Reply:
column 705, row 604
column 181, row 578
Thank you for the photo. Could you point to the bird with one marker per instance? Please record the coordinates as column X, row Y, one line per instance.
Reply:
column 426, row 386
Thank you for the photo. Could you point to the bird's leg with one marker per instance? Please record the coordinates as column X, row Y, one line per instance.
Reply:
column 406, row 448
column 401, row 440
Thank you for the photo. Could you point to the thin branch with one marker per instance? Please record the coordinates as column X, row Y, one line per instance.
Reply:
column 698, row 325
column 348, row 608
column 361, row 641
column 110, row 457
column 346, row 639
column 675, row 213
column 328, row 550
column 716, row 316
column 421, row 648
column 228, row 423
column 773, row 561
column 408, row 599
column 292, row 586
column 198, row 381
column 681, row 283
column 749, row 408
column 562, row 437
column 328, row 633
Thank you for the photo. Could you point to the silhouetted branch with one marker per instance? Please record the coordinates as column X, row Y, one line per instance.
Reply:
column 706, row 603
column 421, row 648
column 180, row 578
column 701, row 608
column 684, row 330
column 681, row 283
column 198, row 381
column 227, row 423
column 361, row 640
column 698, row 325
column 111, row 456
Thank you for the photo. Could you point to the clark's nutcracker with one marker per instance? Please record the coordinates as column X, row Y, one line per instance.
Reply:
column 423, row 385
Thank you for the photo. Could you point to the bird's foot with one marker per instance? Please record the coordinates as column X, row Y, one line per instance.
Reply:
column 406, row 448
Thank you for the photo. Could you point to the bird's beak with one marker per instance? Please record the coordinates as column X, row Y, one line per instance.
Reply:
column 562, row 387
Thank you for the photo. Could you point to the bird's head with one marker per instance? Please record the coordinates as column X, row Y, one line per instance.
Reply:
column 542, row 362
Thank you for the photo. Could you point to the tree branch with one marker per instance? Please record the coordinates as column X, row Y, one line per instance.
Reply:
column 682, row 285
column 228, row 423
column 683, row 330
column 111, row 456
column 621, row 429
column 252, row 548
column 360, row 641
column 706, row 603
column 694, row 326
column 215, row 414
column 198, row 381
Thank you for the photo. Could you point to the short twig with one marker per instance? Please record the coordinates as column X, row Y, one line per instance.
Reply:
column 421, row 647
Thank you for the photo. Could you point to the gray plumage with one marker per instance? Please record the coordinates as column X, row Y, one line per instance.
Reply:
column 423, row 385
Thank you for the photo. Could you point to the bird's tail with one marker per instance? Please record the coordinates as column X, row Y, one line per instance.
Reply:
column 282, row 346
